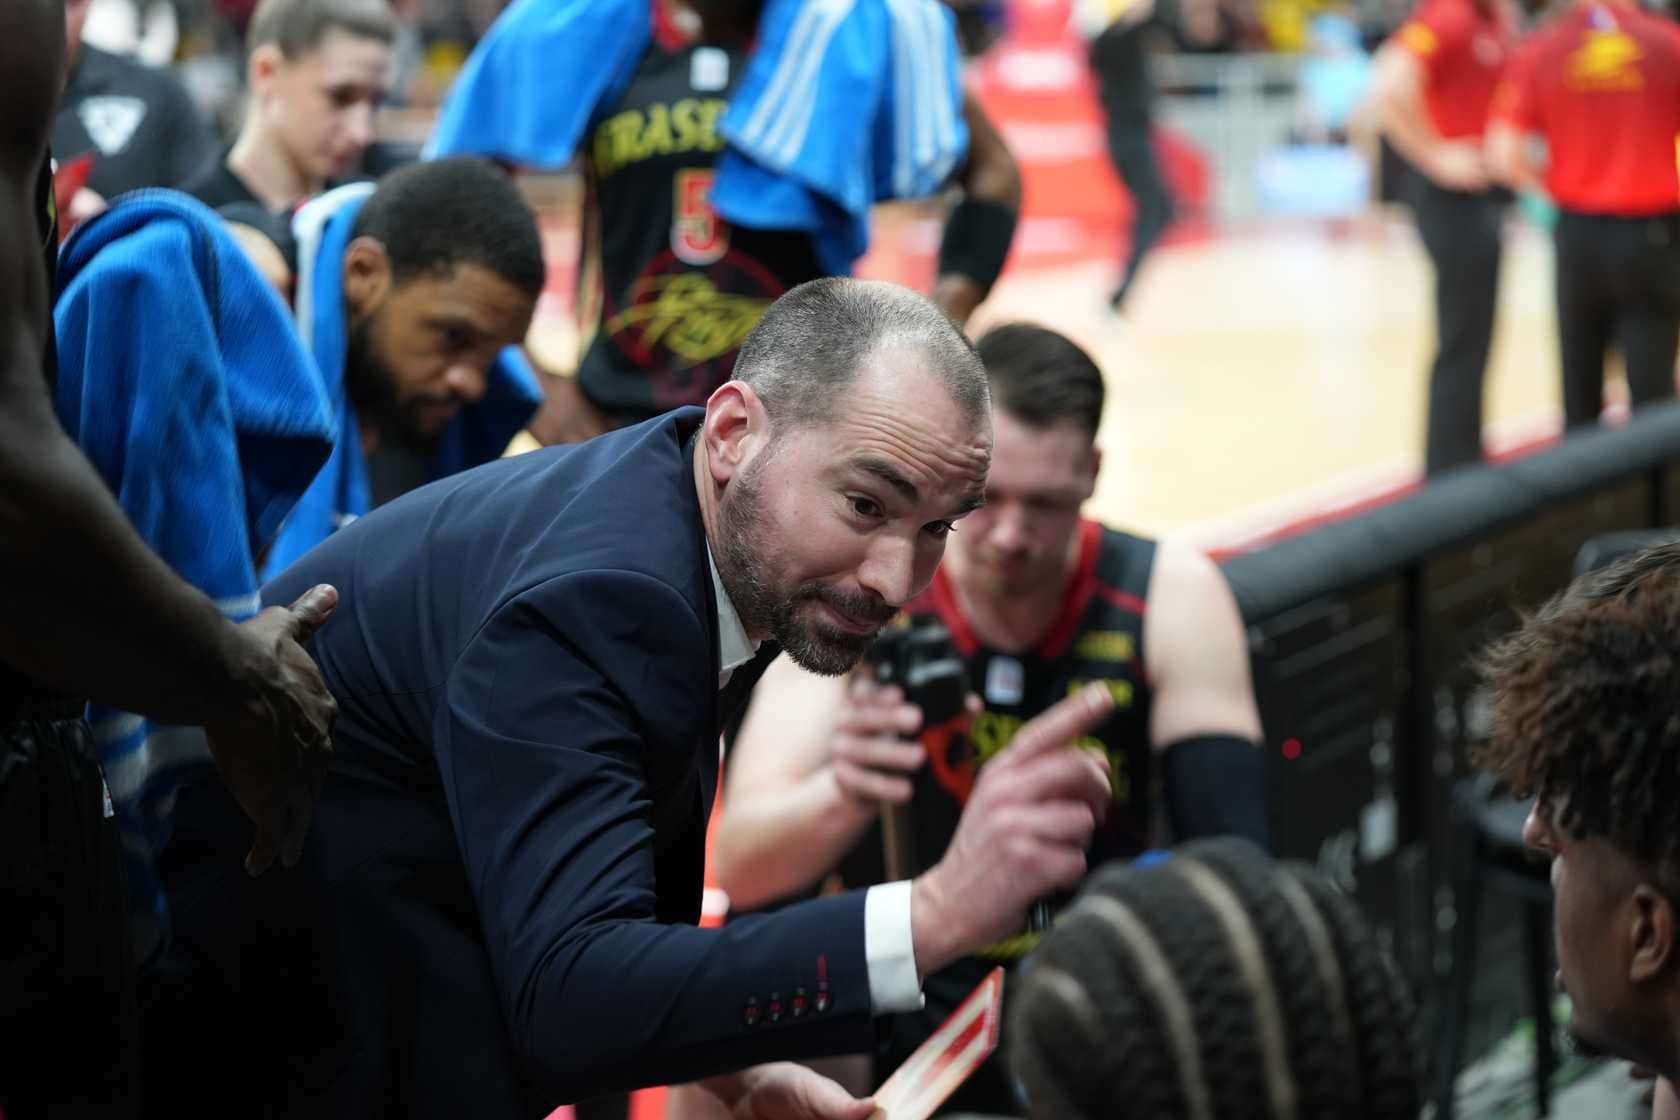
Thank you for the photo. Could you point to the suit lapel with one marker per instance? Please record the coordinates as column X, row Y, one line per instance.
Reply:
column 689, row 811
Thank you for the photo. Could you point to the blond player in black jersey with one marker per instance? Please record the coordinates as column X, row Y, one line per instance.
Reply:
column 1038, row 601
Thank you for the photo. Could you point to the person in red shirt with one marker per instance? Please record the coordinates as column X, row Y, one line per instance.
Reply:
column 1600, row 84
column 1435, row 80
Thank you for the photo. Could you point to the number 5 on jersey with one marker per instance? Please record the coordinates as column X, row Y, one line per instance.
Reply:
column 698, row 235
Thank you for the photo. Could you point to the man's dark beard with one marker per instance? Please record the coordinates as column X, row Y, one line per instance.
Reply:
column 813, row 646
column 372, row 389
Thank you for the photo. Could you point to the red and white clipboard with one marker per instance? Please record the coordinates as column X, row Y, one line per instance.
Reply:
column 947, row 1058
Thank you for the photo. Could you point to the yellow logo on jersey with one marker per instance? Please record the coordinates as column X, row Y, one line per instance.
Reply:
column 1420, row 39
column 689, row 315
column 1606, row 62
column 992, row 731
column 688, row 125
column 1012, row 948
column 1106, row 645
column 1120, row 690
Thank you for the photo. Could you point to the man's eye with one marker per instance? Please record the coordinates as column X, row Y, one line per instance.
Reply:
column 866, row 508
column 942, row 529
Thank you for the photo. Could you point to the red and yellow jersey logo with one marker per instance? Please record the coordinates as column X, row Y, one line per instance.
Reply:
column 957, row 749
column 1419, row 38
column 1606, row 61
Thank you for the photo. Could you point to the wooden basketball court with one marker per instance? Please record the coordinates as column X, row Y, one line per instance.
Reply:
column 1258, row 377
column 1266, row 376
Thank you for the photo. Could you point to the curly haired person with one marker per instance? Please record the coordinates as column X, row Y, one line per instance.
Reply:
column 1587, row 719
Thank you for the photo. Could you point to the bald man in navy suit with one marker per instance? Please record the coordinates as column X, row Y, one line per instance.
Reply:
column 533, row 661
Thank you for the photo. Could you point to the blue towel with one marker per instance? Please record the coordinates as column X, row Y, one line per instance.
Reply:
column 536, row 80
column 341, row 492
column 845, row 103
column 181, row 378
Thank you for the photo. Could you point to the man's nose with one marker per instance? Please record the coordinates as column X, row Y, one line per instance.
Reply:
column 358, row 125
column 1008, row 530
column 466, row 381
column 889, row 570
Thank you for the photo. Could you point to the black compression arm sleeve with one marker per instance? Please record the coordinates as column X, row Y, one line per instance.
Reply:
column 1216, row 786
column 977, row 240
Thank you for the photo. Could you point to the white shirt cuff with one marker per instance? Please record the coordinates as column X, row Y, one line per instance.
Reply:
column 890, row 948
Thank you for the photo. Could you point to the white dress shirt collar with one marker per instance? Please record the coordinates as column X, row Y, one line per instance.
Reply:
column 734, row 647
column 895, row 985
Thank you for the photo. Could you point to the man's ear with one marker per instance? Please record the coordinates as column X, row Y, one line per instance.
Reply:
column 264, row 64
column 367, row 275
column 1652, row 933
column 736, row 429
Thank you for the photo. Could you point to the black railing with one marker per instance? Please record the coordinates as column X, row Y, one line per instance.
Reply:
column 1362, row 634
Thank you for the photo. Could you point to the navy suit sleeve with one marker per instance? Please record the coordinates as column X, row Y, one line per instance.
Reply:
column 550, row 719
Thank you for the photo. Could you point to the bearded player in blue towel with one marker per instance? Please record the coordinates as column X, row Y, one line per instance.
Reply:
column 87, row 610
column 679, row 285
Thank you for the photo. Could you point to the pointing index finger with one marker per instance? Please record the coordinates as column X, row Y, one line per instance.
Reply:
column 1061, row 723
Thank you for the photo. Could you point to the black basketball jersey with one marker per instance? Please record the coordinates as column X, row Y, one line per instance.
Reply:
column 679, row 287
column 1097, row 636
